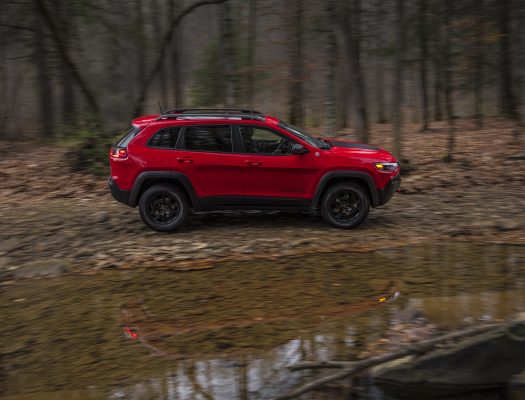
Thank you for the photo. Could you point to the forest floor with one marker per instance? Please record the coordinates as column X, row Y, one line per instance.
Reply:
column 53, row 220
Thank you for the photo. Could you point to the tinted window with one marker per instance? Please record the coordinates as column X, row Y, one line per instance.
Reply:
column 166, row 138
column 258, row 140
column 208, row 138
column 128, row 136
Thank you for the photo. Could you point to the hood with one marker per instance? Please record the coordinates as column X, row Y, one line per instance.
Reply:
column 360, row 149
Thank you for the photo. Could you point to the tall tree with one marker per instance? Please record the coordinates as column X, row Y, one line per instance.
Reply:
column 423, row 58
column 45, row 92
column 176, row 50
column 67, row 21
column 351, row 24
column 329, row 119
column 479, row 49
column 295, row 49
column 228, row 54
column 250, row 53
column 398, row 80
column 508, row 100
column 447, row 78
column 379, row 62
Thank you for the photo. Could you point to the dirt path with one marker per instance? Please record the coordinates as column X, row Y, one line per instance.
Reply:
column 67, row 221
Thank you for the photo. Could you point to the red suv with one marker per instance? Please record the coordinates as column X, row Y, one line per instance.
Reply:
column 221, row 159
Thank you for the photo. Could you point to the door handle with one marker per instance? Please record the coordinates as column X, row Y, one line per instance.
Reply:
column 254, row 163
column 184, row 159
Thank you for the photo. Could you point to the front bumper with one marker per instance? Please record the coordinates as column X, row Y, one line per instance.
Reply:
column 386, row 194
column 121, row 196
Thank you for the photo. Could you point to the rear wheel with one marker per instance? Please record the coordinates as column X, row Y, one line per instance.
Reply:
column 345, row 205
column 163, row 207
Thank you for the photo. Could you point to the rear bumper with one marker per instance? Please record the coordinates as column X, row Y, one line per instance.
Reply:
column 386, row 194
column 122, row 196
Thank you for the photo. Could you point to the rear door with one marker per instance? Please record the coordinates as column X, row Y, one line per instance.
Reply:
column 272, row 175
column 205, row 155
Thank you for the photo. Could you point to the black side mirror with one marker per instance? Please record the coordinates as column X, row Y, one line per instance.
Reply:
column 298, row 149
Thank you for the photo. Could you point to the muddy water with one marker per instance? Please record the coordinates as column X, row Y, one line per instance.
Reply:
column 229, row 332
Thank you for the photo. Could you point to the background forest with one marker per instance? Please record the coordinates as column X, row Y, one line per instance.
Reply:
column 331, row 64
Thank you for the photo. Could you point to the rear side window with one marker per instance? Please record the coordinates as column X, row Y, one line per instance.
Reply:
column 134, row 131
column 166, row 138
column 212, row 138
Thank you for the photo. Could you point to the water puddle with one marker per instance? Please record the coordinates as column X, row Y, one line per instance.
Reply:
column 229, row 332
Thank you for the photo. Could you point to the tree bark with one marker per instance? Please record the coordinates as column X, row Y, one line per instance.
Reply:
column 478, row 63
column 447, row 60
column 296, row 67
column 422, row 27
column 351, row 29
column 45, row 92
column 68, row 93
column 329, row 120
column 250, row 53
column 508, row 101
column 398, row 82
column 228, row 54
column 176, row 51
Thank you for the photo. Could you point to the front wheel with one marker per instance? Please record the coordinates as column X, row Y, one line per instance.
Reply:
column 345, row 205
column 163, row 207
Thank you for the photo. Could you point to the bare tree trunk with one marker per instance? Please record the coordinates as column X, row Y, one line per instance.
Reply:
column 398, row 82
column 158, row 23
column 479, row 60
column 447, row 60
column 250, row 53
column 351, row 29
column 176, row 50
column 329, row 120
column 344, row 87
column 45, row 92
column 68, row 93
column 228, row 54
column 140, row 43
column 422, row 25
column 508, row 101
column 296, row 73
column 379, row 63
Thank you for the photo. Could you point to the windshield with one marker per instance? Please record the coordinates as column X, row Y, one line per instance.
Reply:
column 319, row 143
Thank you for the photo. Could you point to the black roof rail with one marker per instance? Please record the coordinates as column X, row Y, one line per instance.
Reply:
column 212, row 111
column 218, row 115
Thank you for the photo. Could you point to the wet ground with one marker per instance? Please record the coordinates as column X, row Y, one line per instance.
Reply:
column 229, row 332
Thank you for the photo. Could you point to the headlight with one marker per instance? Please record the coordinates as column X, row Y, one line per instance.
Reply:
column 386, row 166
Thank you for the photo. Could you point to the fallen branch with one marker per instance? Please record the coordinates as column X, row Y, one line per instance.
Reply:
column 352, row 368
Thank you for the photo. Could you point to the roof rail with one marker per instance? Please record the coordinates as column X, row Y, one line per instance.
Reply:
column 211, row 111
column 217, row 115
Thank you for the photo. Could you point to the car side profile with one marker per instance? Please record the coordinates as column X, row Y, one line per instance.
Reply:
column 191, row 160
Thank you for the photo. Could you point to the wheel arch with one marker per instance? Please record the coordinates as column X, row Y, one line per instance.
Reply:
column 334, row 177
column 147, row 179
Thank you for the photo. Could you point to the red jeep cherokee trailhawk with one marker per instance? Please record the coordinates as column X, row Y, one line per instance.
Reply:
column 222, row 159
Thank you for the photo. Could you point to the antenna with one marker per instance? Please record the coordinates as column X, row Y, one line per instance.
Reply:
column 160, row 107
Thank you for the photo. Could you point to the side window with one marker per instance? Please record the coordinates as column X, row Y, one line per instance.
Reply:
column 259, row 140
column 211, row 138
column 128, row 137
column 165, row 138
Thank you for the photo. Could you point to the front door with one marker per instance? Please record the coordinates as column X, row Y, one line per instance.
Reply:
column 271, row 174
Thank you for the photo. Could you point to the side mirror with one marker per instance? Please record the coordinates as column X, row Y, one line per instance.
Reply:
column 298, row 149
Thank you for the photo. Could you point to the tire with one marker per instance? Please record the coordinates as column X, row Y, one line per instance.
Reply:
column 163, row 207
column 345, row 205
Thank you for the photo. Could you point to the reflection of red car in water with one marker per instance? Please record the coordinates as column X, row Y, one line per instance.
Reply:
column 139, row 325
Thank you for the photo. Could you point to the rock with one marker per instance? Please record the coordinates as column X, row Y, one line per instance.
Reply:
column 100, row 217
column 468, row 365
column 4, row 262
column 516, row 387
column 11, row 244
column 508, row 225
column 41, row 268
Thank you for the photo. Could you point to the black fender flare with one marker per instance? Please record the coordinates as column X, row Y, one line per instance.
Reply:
column 176, row 177
column 374, row 197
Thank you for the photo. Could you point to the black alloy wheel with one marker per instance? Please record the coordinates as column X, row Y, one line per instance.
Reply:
column 163, row 207
column 345, row 205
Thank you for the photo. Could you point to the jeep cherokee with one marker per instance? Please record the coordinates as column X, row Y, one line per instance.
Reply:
column 219, row 159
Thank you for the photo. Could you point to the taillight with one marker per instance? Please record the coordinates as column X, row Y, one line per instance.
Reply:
column 117, row 152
